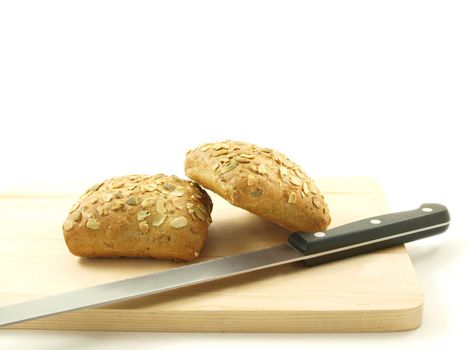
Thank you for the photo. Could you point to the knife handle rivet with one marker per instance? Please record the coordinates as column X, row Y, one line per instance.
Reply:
column 319, row 234
column 375, row 221
column 427, row 210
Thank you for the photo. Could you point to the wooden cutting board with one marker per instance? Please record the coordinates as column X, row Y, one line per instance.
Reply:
column 368, row 293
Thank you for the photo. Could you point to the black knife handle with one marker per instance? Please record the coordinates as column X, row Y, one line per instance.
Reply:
column 371, row 234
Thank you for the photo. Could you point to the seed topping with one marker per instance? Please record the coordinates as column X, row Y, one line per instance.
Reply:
column 295, row 181
column 292, row 198
column 262, row 170
column 148, row 202
column 179, row 222
column 159, row 220
column 107, row 197
column 132, row 200
column 68, row 224
column 229, row 166
column 160, row 206
column 93, row 224
column 143, row 214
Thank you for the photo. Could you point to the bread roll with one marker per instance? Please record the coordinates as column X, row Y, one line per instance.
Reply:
column 260, row 180
column 140, row 216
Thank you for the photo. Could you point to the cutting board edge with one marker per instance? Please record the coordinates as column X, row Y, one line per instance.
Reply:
column 342, row 321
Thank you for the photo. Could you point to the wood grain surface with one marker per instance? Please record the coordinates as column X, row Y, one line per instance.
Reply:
column 368, row 293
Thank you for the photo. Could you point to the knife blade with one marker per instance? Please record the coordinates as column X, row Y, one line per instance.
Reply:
column 312, row 247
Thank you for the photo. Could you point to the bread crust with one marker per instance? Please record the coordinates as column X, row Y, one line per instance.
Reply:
column 260, row 180
column 154, row 216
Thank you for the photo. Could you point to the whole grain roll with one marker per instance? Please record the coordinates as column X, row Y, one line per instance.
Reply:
column 155, row 216
column 260, row 180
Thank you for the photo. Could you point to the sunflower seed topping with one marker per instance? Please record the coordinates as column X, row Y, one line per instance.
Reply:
column 76, row 216
column 119, row 194
column 248, row 156
column 299, row 173
column 160, row 207
column 220, row 152
column 221, row 145
column 118, row 184
column 199, row 214
column 116, row 205
column 107, row 197
column 150, row 187
column 132, row 200
column 159, row 220
column 93, row 224
column 242, row 160
column 95, row 187
column 169, row 186
column 262, row 169
column 283, row 171
column 68, row 224
column 306, row 189
column 179, row 192
column 143, row 214
column 292, row 198
column 148, row 202
column 228, row 167
column 295, row 181
column 179, row 222
column 316, row 202
column 132, row 186
column 178, row 203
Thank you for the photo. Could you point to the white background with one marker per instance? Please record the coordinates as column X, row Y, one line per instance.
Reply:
column 92, row 89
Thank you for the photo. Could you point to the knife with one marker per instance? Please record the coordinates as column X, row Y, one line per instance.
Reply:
column 311, row 247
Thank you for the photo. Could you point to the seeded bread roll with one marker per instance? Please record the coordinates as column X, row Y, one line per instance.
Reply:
column 260, row 180
column 140, row 216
